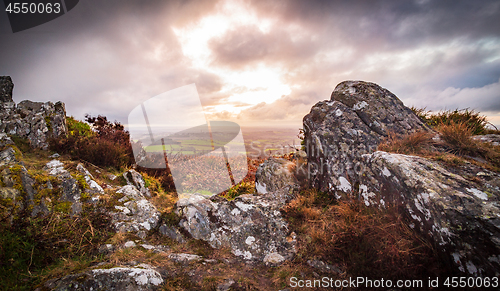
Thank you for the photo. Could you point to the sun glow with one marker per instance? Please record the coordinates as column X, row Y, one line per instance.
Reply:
column 245, row 87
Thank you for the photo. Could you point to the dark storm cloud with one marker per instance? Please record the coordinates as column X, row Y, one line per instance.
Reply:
column 395, row 21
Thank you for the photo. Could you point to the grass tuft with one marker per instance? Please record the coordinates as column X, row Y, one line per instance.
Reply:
column 414, row 143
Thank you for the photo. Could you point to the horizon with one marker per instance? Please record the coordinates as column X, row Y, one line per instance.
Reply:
column 259, row 64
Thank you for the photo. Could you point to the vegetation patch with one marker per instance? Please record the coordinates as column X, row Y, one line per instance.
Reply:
column 363, row 241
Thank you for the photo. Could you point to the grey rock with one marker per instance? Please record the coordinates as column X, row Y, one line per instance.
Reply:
column 5, row 140
column 494, row 139
column 8, row 157
column 338, row 132
column 377, row 107
column 226, row 285
column 252, row 226
column 461, row 217
column 56, row 168
column 140, row 277
column 276, row 175
column 6, row 87
column 89, row 179
column 129, row 244
column 11, row 202
column 36, row 121
column 184, row 258
column 53, row 156
column 172, row 233
column 134, row 178
column 155, row 249
column 135, row 214
column 71, row 191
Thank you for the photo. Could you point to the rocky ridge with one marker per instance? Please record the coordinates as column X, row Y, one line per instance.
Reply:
column 36, row 121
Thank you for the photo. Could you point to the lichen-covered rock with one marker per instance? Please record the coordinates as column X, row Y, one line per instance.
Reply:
column 338, row 132
column 184, row 258
column 135, row 214
column 70, row 189
column 6, row 87
column 276, row 175
column 134, row 178
column 5, row 140
column 377, row 107
column 8, row 156
column 140, row 277
column 93, row 187
column 461, row 216
column 36, row 121
column 16, row 190
column 251, row 225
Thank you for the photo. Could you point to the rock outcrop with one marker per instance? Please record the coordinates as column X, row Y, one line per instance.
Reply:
column 251, row 225
column 36, row 121
column 457, row 208
column 338, row 132
column 135, row 214
column 460, row 215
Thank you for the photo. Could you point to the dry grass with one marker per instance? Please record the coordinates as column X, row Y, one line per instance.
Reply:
column 363, row 241
column 457, row 139
column 418, row 142
column 456, row 146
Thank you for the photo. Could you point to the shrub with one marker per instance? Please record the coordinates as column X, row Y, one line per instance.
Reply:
column 239, row 189
column 78, row 128
column 108, row 145
column 473, row 120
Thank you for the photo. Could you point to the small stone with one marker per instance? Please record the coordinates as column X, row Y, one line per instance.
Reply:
column 129, row 244
column 273, row 259
column 184, row 258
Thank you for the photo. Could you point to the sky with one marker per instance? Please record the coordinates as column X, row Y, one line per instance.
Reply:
column 257, row 62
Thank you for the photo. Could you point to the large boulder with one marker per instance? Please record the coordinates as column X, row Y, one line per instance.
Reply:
column 462, row 216
column 338, row 132
column 251, row 226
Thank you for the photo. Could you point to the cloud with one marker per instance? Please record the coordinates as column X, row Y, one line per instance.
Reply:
column 485, row 99
column 106, row 59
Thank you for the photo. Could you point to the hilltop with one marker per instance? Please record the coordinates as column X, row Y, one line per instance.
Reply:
column 378, row 191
